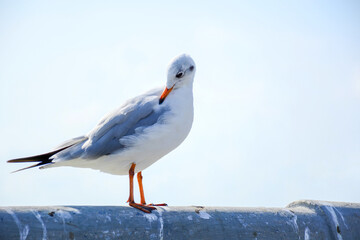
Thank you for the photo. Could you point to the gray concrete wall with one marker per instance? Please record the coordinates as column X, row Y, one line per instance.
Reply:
column 299, row 220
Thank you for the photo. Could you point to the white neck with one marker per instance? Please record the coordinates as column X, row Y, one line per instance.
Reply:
column 181, row 98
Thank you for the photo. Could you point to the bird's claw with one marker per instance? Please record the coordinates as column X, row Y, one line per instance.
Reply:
column 143, row 207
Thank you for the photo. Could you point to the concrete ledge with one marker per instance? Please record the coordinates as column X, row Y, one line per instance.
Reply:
column 299, row 220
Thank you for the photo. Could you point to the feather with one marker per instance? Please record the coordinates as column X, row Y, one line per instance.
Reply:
column 42, row 159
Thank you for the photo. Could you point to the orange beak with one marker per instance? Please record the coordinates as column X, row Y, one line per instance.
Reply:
column 164, row 94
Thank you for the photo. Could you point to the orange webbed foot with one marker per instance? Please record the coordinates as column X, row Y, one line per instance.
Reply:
column 142, row 207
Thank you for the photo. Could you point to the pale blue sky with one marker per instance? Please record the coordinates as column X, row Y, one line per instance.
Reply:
column 277, row 97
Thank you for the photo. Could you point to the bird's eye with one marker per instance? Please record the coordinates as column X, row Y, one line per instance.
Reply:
column 179, row 75
column 191, row 68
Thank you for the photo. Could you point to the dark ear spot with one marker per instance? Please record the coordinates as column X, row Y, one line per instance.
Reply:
column 179, row 75
column 191, row 68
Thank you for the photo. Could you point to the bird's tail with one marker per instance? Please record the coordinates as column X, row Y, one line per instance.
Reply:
column 42, row 159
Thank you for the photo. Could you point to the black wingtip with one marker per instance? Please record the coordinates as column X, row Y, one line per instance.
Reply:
column 42, row 159
column 32, row 166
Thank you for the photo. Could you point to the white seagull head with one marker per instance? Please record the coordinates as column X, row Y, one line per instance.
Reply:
column 181, row 71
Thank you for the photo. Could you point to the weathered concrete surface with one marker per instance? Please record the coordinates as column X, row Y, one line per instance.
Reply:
column 299, row 220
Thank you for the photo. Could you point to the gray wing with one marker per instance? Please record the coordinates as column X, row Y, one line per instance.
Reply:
column 72, row 141
column 129, row 120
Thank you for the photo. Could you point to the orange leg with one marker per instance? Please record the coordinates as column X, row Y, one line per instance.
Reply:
column 141, row 189
column 131, row 201
column 131, row 180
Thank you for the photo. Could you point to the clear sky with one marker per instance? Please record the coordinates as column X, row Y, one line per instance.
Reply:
column 277, row 97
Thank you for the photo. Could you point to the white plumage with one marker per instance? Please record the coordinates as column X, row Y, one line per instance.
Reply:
column 152, row 143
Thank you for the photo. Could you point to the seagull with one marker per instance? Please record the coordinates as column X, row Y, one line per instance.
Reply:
column 134, row 136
